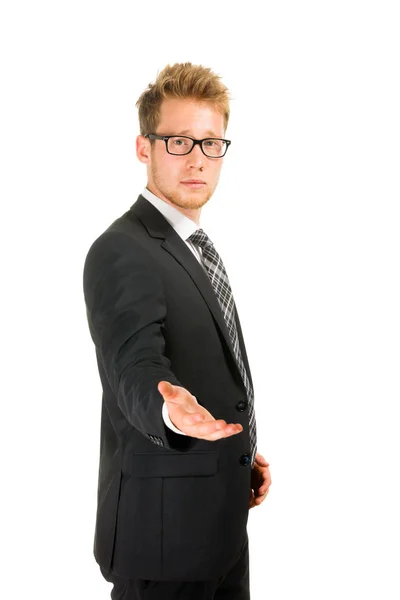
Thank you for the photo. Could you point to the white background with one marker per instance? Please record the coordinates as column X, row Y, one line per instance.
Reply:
column 309, row 192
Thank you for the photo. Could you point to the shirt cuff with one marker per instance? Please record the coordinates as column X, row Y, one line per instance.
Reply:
column 168, row 421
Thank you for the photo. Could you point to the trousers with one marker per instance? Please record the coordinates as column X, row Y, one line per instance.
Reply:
column 234, row 585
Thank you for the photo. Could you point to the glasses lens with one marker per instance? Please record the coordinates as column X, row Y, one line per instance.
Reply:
column 179, row 145
column 214, row 147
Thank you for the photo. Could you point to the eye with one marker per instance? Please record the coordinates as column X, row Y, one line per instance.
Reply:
column 180, row 141
column 214, row 144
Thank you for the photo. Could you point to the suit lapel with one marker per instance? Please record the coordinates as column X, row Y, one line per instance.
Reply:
column 178, row 249
column 158, row 227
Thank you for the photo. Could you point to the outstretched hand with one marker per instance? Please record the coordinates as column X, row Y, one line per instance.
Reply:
column 192, row 418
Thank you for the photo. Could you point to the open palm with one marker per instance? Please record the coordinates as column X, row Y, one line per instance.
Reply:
column 192, row 418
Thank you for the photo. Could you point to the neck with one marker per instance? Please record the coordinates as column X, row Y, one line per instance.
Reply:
column 191, row 213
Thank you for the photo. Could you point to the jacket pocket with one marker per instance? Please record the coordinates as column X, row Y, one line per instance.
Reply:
column 170, row 515
column 167, row 464
column 193, row 507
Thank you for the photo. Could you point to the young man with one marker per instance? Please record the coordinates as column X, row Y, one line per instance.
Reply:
column 178, row 463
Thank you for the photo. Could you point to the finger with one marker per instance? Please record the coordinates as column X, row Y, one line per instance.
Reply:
column 214, row 430
column 227, row 431
column 267, row 481
column 259, row 498
column 261, row 460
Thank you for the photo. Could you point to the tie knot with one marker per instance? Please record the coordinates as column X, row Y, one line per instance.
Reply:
column 200, row 238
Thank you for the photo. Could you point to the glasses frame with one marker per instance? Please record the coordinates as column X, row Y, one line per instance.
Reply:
column 165, row 138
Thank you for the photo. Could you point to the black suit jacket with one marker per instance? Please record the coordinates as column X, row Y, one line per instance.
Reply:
column 169, row 506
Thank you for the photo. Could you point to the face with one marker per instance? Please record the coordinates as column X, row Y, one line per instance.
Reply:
column 168, row 175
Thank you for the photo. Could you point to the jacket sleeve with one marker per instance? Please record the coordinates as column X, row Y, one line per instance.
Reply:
column 126, row 310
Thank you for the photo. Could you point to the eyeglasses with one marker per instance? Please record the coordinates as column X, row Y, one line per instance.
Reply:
column 179, row 145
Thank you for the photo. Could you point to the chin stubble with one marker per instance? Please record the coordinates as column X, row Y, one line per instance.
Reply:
column 179, row 199
column 193, row 203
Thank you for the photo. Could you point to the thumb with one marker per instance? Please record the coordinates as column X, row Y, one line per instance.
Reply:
column 166, row 389
column 261, row 460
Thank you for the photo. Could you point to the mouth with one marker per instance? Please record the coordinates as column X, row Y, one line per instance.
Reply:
column 194, row 183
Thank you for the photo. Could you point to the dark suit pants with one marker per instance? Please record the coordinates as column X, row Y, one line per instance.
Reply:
column 233, row 586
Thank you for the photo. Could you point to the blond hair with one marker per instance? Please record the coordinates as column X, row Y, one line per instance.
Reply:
column 181, row 80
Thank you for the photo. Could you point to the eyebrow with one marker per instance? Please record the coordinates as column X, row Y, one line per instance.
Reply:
column 210, row 133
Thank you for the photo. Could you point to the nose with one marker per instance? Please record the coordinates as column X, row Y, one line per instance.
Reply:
column 196, row 157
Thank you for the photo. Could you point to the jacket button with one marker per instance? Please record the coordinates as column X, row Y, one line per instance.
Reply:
column 245, row 460
column 241, row 406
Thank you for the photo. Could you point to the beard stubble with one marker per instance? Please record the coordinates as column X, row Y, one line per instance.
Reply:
column 181, row 200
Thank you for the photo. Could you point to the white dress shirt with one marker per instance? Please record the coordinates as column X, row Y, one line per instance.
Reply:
column 184, row 227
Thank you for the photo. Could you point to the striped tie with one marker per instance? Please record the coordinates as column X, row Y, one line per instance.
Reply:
column 220, row 283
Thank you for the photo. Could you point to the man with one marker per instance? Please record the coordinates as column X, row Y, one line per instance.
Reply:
column 178, row 463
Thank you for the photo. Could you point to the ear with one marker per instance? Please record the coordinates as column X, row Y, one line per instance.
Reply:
column 143, row 149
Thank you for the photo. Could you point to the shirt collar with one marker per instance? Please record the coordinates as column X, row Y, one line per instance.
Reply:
column 183, row 226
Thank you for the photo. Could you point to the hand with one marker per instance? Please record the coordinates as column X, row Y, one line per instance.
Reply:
column 192, row 418
column 260, row 481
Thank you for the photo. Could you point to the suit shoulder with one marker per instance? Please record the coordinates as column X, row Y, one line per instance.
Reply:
column 125, row 234
column 124, row 241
